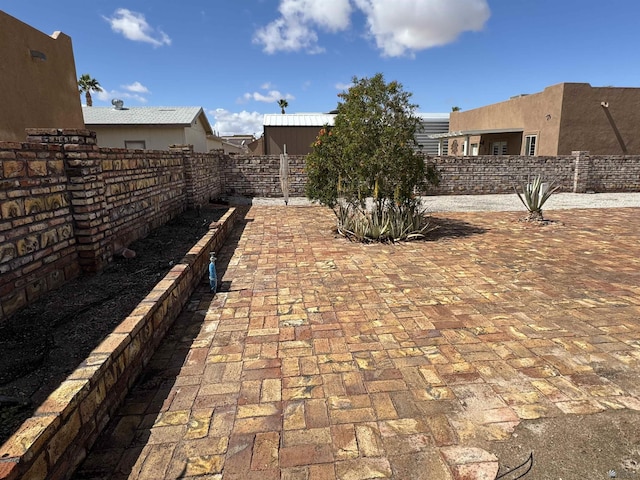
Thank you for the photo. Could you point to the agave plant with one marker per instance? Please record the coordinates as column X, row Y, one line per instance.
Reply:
column 534, row 195
column 383, row 222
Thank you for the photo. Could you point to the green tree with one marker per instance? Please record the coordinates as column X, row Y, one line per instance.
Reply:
column 455, row 109
column 370, row 152
column 86, row 85
column 282, row 103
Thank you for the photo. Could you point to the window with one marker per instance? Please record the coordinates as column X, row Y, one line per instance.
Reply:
column 530, row 144
column 499, row 148
column 135, row 144
column 474, row 149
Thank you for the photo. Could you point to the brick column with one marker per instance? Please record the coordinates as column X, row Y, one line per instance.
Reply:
column 581, row 173
column 83, row 166
column 190, row 173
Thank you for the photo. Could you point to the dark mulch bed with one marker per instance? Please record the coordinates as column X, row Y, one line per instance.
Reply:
column 43, row 343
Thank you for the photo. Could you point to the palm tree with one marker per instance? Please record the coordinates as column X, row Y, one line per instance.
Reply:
column 455, row 109
column 86, row 85
column 282, row 103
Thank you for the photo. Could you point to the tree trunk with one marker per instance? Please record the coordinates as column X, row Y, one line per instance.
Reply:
column 89, row 100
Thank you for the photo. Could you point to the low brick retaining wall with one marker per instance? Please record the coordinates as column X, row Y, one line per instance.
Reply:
column 52, row 443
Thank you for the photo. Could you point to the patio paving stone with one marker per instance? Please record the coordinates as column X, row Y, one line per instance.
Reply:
column 325, row 359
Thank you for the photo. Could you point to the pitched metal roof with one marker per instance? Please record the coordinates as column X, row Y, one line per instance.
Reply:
column 183, row 116
column 298, row 119
column 321, row 119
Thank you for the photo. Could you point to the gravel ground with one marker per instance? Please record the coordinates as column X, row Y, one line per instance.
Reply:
column 497, row 203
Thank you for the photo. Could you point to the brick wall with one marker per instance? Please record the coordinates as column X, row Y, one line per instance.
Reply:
column 66, row 205
column 259, row 176
column 143, row 190
column 499, row 174
column 202, row 174
column 37, row 239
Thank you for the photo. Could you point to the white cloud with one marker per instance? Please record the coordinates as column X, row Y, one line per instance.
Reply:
column 343, row 86
column 136, row 87
column 270, row 97
column 402, row 28
column 230, row 123
column 399, row 28
column 296, row 28
column 133, row 26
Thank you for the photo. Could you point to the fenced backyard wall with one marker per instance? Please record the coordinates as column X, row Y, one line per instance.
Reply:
column 259, row 176
column 68, row 206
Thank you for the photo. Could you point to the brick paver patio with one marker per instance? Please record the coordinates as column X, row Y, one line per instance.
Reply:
column 324, row 359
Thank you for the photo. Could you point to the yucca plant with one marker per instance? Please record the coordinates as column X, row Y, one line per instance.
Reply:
column 534, row 195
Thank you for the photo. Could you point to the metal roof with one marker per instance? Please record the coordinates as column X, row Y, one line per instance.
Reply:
column 433, row 117
column 298, row 119
column 321, row 119
column 183, row 116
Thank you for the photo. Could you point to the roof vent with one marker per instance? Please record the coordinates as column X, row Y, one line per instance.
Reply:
column 117, row 103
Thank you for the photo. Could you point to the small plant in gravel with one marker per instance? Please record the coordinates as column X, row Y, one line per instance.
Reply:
column 534, row 195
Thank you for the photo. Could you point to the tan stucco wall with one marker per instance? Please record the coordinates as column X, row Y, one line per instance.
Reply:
column 36, row 93
column 587, row 126
column 156, row 138
column 539, row 113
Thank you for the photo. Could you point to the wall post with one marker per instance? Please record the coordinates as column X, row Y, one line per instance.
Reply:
column 581, row 171
column 86, row 187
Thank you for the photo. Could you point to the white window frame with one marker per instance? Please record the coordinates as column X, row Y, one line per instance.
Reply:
column 136, row 144
column 528, row 151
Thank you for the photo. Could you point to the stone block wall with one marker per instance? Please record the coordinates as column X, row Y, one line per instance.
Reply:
column 612, row 173
column 259, row 176
column 67, row 205
column 37, row 238
column 499, row 174
column 143, row 190
column 202, row 174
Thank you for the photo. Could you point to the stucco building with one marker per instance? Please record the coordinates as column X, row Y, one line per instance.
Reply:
column 149, row 128
column 563, row 118
column 38, row 86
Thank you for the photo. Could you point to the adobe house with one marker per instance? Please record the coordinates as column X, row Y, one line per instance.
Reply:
column 149, row 128
column 299, row 130
column 38, row 86
column 562, row 118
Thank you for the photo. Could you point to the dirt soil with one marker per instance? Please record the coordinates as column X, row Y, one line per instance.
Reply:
column 572, row 447
column 43, row 343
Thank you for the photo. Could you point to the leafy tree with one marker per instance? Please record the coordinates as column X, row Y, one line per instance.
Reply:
column 282, row 103
column 86, row 85
column 455, row 109
column 370, row 152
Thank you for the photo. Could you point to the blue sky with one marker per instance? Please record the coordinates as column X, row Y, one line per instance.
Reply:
column 237, row 58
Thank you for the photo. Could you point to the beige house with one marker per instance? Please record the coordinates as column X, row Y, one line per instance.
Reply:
column 563, row 118
column 149, row 128
column 38, row 84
